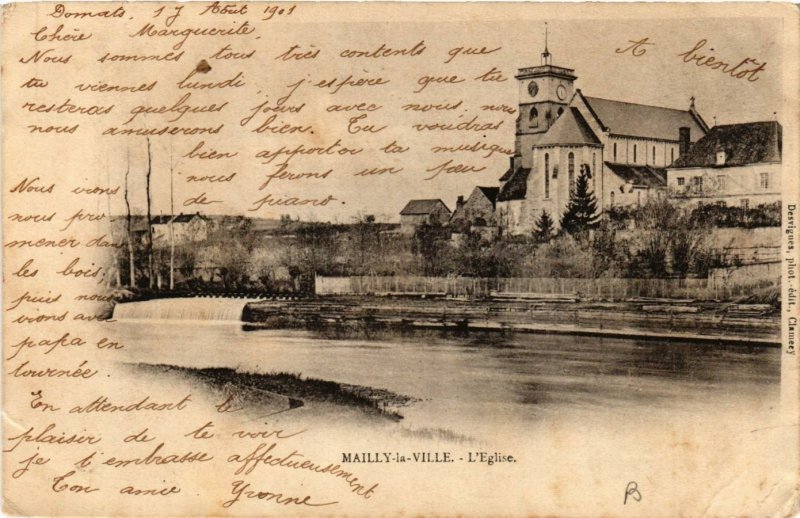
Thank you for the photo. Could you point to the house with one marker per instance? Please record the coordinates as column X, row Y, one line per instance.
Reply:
column 423, row 212
column 624, row 147
column 734, row 164
column 184, row 228
column 478, row 209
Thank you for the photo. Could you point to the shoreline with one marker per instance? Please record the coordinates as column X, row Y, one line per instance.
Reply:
column 711, row 323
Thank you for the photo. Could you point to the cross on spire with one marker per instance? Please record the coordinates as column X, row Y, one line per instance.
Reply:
column 546, row 54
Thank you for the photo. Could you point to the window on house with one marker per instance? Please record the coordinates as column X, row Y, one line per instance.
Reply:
column 744, row 203
column 546, row 175
column 534, row 113
column 611, row 197
column 615, row 151
column 763, row 180
column 722, row 182
column 697, row 183
column 571, row 171
column 654, row 155
column 634, row 153
column 671, row 155
column 681, row 181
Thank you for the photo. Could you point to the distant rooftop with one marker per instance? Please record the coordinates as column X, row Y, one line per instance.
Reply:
column 422, row 207
column 745, row 143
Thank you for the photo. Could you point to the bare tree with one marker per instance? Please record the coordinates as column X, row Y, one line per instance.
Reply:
column 129, row 225
column 151, row 275
column 117, row 274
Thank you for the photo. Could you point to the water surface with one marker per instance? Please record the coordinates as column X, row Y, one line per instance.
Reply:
column 485, row 380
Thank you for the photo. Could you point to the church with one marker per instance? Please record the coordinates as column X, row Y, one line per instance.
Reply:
column 624, row 148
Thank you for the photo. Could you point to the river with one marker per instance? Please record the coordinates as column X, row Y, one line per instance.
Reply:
column 479, row 381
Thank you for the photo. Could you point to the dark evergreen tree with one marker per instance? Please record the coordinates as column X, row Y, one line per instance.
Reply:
column 544, row 227
column 581, row 213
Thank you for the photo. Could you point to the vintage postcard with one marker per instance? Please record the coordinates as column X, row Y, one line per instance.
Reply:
column 400, row 259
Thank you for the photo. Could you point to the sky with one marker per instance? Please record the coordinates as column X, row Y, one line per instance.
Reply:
column 588, row 46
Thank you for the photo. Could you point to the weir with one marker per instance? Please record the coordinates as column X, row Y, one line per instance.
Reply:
column 201, row 309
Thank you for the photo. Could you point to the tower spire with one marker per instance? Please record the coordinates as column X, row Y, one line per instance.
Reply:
column 546, row 54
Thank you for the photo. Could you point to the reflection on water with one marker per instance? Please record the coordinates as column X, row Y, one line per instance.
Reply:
column 487, row 378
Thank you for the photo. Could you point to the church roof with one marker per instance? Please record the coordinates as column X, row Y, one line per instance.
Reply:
column 570, row 129
column 746, row 143
column 422, row 207
column 640, row 175
column 641, row 120
column 516, row 187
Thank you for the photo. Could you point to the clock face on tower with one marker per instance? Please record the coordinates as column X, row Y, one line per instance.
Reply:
column 561, row 92
column 533, row 88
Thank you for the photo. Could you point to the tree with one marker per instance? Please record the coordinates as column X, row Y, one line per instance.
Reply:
column 544, row 227
column 150, row 268
column 430, row 245
column 129, row 228
column 581, row 213
column 669, row 241
column 363, row 245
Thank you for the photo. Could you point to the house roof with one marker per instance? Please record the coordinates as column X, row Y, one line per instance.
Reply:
column 419, row 207
column 507, row 175
column 516, row 187
column 641, row 120
column 746, row 143
column 640, row 175
column 490, row 193
column 570, row 128
column 185, row 218
column 164, row 219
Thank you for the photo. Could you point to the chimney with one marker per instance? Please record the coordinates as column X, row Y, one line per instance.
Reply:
column 459, row 202
column 684, row 139
column 512, row 162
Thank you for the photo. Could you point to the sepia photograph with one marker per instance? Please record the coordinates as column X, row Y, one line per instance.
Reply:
column 303, row 259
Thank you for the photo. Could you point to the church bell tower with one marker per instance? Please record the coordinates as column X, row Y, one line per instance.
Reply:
column 544, row 92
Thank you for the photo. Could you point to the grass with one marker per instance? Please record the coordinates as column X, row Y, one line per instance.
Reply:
column 250, row 388
column 768, row 295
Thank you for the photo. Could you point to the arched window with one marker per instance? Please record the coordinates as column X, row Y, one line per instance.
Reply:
column 612, row 198
column 634, row 153
column 615, row 151
column 534, row 113
column 560, row 111
column 571, row 171
column 546, row 175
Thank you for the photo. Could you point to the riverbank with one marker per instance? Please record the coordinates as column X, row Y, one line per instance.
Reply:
column 286, row 391
column 658, row 319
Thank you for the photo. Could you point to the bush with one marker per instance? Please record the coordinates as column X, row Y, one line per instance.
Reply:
column 721, row 215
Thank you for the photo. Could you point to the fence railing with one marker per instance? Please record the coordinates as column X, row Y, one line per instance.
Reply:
column 603, row 288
